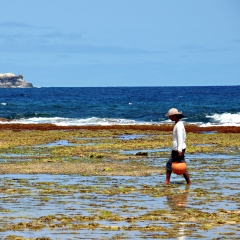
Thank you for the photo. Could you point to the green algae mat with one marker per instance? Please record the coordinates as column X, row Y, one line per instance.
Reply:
column 108, row 184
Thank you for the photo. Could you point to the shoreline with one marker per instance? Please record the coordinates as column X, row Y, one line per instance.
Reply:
column 162, row 127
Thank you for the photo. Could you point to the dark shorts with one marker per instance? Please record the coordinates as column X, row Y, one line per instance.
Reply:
column 175, row 158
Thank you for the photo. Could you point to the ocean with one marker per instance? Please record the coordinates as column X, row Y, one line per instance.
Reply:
column 203, row 106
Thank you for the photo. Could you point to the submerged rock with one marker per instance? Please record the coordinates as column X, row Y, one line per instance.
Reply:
column 142, row 154
column 10, row 80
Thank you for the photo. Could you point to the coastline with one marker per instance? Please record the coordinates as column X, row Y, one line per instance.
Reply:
column 162, row 127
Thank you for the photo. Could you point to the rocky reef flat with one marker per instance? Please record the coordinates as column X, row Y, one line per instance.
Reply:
column 10, row 80
column 70, row 181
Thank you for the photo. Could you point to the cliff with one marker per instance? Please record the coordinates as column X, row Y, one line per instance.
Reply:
column 9, row 80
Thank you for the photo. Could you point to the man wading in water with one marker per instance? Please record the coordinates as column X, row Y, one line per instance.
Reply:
column 178, row 145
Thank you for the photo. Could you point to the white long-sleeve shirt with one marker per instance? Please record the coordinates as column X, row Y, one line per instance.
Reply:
column 179, row 137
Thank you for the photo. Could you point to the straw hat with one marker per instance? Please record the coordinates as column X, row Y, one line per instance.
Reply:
column 173, row 111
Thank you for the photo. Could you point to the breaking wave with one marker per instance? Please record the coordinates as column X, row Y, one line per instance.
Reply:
column 224, row 119
column 93, row 121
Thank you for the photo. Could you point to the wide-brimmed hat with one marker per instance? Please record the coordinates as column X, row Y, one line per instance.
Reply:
column 173, row 111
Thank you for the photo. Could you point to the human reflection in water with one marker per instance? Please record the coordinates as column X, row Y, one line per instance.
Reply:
column 177, row 201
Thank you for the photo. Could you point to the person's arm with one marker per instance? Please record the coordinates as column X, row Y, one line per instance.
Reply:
column 180, row 139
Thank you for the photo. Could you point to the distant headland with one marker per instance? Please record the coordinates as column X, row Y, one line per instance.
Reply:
column 10, row 80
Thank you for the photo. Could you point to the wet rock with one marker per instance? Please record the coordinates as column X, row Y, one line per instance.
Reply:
column 141, row 153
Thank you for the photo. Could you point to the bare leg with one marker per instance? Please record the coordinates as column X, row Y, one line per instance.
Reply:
column 168, row 175
column 187, row 178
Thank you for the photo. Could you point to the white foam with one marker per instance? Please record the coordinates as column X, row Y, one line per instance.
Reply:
column 78, row 122
column 224, row 119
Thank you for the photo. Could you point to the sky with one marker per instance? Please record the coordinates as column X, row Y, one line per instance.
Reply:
column 93, row 43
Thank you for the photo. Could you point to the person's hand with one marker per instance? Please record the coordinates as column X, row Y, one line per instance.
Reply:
column 179, row 153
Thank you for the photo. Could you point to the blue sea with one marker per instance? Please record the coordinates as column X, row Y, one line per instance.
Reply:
column 203, row 106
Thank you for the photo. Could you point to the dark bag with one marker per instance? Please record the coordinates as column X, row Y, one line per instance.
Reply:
column 176, row 158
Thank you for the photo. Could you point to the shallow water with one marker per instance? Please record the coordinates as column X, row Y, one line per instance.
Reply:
column 132, row 136
column 123, row 207
column 58, row 143
column 27, row 198
column 134, row 152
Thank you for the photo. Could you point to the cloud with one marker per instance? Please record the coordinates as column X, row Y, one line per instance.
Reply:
column 215, row 50
column 202, row 49
column 235, row 41
column 37, row 38
column 7, row 37
column 21, row 25
column 60, row 35
column 15, row 25
column 193, row 47
column 27, row 38
column 39, row 46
